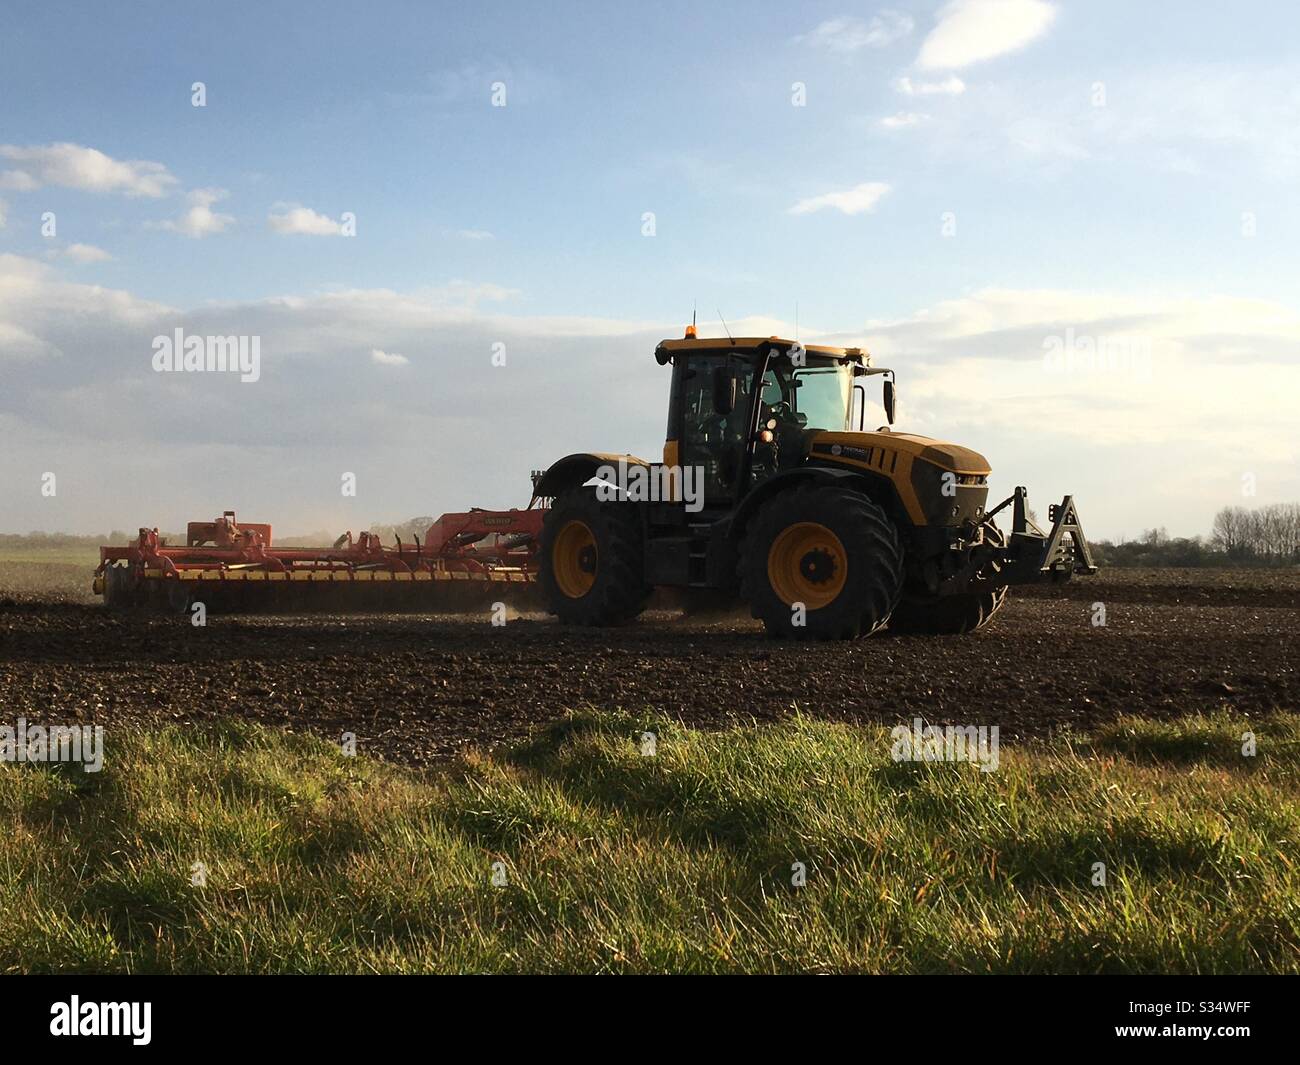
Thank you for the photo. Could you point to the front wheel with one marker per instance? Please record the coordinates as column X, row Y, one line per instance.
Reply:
column 592, row 568
column 821, row 562
column 952, row 615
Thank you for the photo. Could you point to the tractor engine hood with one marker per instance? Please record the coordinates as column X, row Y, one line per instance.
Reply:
column 938, row 483
column 884, row 446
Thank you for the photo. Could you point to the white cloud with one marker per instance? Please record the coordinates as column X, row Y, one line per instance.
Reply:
column 18, row 343
column 970, row 31
column 200, row 220
column 857, row 200
column 86, row 253
column 3, row 208
column 81, row 381
column 849, row 33
column 474, row 234
column 297, row 220
column 902, row 120
column 73, row 167
column 39, row 313
column 384, row 358
column 17, row 180
column 949, row 86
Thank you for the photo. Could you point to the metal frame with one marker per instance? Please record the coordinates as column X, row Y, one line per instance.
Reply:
column 1032, row 555
column 224, row 550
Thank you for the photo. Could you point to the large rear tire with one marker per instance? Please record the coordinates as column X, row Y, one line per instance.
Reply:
column 592, row 568
column 822, row 563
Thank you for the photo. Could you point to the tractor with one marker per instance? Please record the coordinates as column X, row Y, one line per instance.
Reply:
column 772, row 492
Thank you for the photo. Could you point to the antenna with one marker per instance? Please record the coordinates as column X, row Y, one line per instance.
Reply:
column 796, row 320
column 724, row 326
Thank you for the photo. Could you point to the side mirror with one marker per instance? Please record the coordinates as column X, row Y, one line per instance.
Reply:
column 889, row 401
column 724, row 390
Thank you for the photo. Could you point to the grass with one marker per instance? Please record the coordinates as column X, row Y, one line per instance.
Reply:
column 86, row 558
column 680, row 862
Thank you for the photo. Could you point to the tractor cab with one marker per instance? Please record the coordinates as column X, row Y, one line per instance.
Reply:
column 744, row 409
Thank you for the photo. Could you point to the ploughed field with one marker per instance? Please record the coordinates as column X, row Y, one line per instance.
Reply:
column 418, row 688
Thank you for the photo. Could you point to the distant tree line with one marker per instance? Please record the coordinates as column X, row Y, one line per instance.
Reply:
column 1241, row 536
column 45, row 540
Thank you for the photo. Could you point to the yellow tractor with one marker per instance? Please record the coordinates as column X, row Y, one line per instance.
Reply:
column 770, row 490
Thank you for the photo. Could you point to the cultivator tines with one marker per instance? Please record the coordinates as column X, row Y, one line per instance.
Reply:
column 464, row 559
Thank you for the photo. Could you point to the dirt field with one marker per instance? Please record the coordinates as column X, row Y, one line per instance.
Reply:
column 417, row 688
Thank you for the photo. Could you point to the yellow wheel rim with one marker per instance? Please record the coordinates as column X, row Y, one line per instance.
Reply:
column 574, row 559
column 807, row 564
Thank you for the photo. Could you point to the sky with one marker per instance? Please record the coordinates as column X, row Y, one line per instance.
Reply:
column 457, row 232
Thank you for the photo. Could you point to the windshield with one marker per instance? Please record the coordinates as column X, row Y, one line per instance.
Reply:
column 813, row 396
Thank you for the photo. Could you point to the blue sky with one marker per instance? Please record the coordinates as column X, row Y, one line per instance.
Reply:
column 1110, row 169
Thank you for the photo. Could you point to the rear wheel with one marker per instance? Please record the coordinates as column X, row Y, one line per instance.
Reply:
column 821, row 563
column 593, row 560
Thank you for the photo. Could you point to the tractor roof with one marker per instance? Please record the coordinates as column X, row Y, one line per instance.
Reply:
column 726, row 345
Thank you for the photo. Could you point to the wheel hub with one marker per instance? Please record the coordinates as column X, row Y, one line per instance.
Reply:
column 575, row 558
column 807, row 564
column 817, row 566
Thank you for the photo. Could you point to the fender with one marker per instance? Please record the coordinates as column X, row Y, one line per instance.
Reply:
column 871, row 486
column 577, row 469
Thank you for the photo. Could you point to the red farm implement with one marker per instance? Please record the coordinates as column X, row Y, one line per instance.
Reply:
column 227, row 565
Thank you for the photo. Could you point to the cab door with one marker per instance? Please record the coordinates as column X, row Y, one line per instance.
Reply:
column 714, row 440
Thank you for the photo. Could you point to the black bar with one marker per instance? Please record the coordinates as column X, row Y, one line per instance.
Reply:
column 336, row 1014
